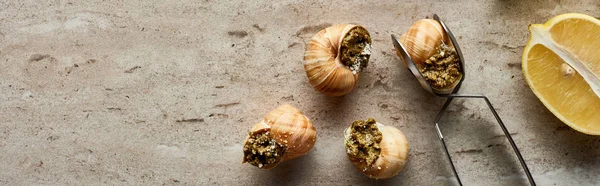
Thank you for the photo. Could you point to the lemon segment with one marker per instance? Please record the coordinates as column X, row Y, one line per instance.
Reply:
column 571, row 40
column 561, row 64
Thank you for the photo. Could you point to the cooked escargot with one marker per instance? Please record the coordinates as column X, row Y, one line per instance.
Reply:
column 284, row 134
column 335, row 56
column 427, row 44
column 376, row 150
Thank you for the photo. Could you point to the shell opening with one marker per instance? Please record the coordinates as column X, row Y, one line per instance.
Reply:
column 355, row 49
column 262, row 150
column 362, row 141
column 442, row 69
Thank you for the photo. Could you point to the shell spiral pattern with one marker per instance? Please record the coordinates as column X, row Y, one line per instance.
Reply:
column 422, row 38
column 326, row 71
column 393, row 157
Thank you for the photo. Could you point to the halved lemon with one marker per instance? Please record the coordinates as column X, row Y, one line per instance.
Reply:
column 561, row 64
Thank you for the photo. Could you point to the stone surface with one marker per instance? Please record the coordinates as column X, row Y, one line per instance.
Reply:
column 157, row 92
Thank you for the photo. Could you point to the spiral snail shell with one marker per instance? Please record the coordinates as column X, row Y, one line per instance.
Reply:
column 335, row 56
column 434, row 55
column 376, row 150
column 284, row 134
column 422, row 38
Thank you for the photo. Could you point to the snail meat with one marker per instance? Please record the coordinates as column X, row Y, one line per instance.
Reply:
column 442, row 69
column 355, row 49
column 335, row 56
column 261, row 149
column 284, row 134
column 376, row 150
column 363, row 142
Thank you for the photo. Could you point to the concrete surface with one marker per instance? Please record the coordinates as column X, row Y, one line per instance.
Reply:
column 163, row 93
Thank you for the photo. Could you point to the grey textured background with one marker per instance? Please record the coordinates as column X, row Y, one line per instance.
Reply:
column 157, row 92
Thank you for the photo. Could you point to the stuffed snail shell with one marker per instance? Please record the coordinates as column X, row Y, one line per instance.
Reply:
column 376, row 150
column 284, row 134
column 422, row 38
column 335, row 56
column 427, row 44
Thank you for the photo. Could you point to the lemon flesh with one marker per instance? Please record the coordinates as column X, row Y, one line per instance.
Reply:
column 561, row 64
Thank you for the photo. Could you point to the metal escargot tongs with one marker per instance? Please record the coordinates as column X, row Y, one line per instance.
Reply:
column 415, row 71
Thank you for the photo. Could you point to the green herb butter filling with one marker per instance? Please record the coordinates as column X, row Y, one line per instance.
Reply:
column 261, row 150
column 442, row 69
column 355, row 49
column 362, row 141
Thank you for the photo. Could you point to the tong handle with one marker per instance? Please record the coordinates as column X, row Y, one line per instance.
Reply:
column 441, row 137
column 506, row 133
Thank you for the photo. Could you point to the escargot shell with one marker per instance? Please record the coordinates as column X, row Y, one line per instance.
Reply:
column 434, row 55
column 327, row 72
column 290, row 129
column 392, row 157
column 422, row 39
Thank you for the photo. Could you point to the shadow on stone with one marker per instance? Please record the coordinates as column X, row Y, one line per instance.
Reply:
column 290, row 172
